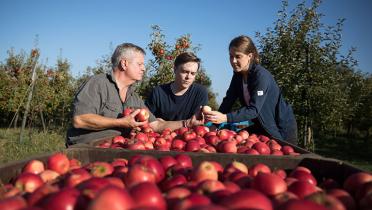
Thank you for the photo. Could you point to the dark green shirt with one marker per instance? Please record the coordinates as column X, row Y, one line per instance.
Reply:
column 100, row 95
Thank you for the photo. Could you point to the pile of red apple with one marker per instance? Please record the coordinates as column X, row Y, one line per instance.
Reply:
column 199, row 139
column 145, row 182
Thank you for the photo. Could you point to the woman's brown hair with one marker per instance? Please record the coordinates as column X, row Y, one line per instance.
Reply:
column 245, row 45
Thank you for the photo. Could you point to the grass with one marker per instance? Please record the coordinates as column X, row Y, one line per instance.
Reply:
column 356, row 151
column 34, row 143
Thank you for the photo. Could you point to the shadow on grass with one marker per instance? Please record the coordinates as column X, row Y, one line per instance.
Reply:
column 354, row 151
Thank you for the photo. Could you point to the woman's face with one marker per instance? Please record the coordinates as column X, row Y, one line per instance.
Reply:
column 240, row 61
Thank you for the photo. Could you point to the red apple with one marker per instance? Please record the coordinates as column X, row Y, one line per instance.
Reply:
column 218, row 166
column 302, row 205
column 327, row 201
column 191, row 201
column 115, row 181
column 344, row 197
column 201, row 130
column 66, row 198
column 205, row 171
column 136, row 145
column 119, row 140
column 167, row 161
column 74, row 163
column 49, row 176
column 355, row 181
column 92, row 186
column 127, row 111
column 143, row 115
column 189, row 135
column 232, row 168
column 287, row 149
column 209, row 186
column 178, row 144
column 13, row 203
column 259, row 167
column 251, row 152
column 182, row 130
column 224, row 134
column 34, row 167
column 302, row 188
column 147, row 194
column 184, row 160
column 141, row 137
column 269, row 184
column 39, row 194
column 177, row 192
column 138, row 173
column 227, row 147
column 282, row 198
column 262, row 148
column 366, row 202
column 277, row 152
column 173, row 181
column 329, row 184
column 59, row 163
column 119, row 162
column 231, row 186
column 76, row 176
column 192, row 146
column 152, row 164
column 28, row 182
column 244, row 134
column 304, row 176
column 247, row 199
column 113, row 198
column 212, row 140
column 101, row 169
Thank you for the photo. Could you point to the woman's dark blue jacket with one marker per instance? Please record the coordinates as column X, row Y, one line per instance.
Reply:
column 266, row 105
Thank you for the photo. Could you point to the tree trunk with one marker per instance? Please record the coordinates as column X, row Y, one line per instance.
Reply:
column 42, row 121
column 15, row 123
column 33, row 78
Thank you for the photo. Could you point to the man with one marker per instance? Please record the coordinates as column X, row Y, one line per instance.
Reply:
column 99, row 102
column 180, row 99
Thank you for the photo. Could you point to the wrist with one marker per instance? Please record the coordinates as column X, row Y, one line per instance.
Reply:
column 185, row 123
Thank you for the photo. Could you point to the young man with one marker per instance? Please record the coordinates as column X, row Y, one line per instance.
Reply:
column 182, row 98
column 98, row 104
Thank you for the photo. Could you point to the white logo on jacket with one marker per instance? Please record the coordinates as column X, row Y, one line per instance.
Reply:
column 260, row 92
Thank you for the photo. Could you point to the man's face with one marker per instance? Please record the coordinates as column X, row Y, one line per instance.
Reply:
column 135, row 66
column 185, row 74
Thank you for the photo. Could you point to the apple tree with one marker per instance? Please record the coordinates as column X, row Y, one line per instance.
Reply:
column 304, row 56
column 160, row 68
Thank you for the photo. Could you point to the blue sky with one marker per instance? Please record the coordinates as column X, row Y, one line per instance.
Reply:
column 83, row 31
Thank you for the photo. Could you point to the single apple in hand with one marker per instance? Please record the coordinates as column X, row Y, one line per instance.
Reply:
column 206, row 109
column 143, row 115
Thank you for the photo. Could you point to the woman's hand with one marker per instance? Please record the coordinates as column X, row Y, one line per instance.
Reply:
column 215, row 117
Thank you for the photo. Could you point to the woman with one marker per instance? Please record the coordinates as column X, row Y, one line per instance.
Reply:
column 259, row 94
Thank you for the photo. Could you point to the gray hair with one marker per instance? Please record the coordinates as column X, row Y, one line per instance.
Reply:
column 124, row 50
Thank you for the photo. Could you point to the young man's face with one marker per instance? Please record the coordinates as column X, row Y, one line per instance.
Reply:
column 135, row 66
column 185, row 74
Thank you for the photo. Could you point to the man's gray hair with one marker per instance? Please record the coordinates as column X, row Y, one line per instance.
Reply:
column 124, row 50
